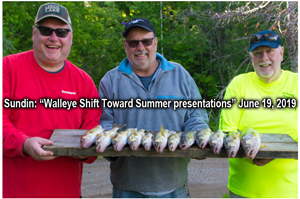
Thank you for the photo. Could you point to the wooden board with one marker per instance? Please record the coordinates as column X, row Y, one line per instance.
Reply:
column 67, row 143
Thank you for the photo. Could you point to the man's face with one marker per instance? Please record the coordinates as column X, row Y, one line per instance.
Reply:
column 51, row 51
column 142, row 58
column 267, row 62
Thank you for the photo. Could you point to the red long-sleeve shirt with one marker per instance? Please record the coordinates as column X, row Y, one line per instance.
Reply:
column 24, row 78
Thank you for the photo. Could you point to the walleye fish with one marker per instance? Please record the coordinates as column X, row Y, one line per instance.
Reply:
column 104, row 139
column 202, row 137
column 250, row 142
column 134, row 140
column 187, row 139
column 89, row 137
column 232, row 143
column 216, row 141
column 147, row 141
column 173, row 141
column 161, row 139
column 120, row 139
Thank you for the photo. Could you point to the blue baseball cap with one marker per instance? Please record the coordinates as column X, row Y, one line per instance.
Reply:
column 263, row 41
column 138, row 22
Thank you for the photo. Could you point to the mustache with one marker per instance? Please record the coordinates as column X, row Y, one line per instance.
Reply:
column 141, row 52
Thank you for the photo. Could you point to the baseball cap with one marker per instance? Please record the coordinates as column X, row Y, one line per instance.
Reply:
column 138, row 22
column 265, row 38
column 53, row 10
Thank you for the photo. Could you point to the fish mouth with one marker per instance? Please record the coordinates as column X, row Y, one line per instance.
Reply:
column 147, row 147
column 85, row 144
column 172, row 148
column 251, row 154
column 133, row 147
column 101, row 148
column 118, row 147
column 159, row 149
column 202, row 145
column 216, row 148
column 231, row 154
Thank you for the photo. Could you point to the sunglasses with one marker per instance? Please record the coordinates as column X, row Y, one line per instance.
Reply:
column 135, row 43
column 268, row 36
column 60, row 32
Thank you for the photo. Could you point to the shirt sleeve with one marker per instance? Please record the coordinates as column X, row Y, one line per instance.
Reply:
column 91, row 116
column 230, row 117
column 107, row 117
column 195, row 118
column 13, row 138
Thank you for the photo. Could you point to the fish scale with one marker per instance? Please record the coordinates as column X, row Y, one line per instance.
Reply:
column 173, row 141
column 89, row 137
column 232, row 143
column 161, row 139
column 105, row 139
column 202, row 137
column 216, row 141
column 134, row 140
column 250, row 141
column 147, row 140
column 187, row 139
column 120, row 139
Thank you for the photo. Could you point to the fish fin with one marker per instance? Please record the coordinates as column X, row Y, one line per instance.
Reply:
column 162, row 130
column 118, row 126
column 262, row 146
column 234, row 135
column 175, row 136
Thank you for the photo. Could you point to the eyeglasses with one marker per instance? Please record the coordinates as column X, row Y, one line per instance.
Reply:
column 60, row 32
column 135, row 43
column 268, row 36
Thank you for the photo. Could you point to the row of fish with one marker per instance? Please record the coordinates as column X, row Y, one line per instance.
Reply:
column 250, row 141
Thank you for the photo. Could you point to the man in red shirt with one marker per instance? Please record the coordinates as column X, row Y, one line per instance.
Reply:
column 28, row 77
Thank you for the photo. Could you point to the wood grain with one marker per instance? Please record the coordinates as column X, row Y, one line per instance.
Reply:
column 67, row 143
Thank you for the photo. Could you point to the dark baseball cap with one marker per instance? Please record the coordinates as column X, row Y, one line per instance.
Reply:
column 53, row 10
column 265, row 38
column 138, row 22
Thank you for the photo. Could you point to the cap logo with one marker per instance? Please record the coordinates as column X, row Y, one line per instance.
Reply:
column 51, row 8
column 136, row 21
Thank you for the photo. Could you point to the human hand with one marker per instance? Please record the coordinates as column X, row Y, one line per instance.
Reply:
column 261, row 162
column 33, row 147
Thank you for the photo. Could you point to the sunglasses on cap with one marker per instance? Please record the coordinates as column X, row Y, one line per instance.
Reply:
column 268, row 36
column 60, row 32
column 135, row 43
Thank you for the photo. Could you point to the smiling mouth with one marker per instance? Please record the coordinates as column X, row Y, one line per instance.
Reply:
column 141, row 55
column 264, row 65
column 52, row 47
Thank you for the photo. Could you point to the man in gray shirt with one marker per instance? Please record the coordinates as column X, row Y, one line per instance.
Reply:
column 145, row 74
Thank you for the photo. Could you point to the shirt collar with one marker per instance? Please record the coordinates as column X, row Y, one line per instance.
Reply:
column 165, row 65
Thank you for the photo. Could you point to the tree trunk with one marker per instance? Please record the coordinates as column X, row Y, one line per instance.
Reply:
column 291, row 35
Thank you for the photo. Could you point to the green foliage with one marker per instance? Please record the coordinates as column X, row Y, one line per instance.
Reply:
column 212, row 50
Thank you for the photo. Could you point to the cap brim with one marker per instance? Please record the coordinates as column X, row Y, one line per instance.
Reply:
column 271, row 44
column 136, row 25
column 53, row 16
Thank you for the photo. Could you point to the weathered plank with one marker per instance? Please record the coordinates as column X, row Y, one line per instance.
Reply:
column 67, row 143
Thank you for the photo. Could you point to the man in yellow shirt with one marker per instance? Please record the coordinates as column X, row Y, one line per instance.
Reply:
column 263, row 178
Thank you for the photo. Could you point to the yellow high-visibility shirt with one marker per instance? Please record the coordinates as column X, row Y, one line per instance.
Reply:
column 279, row 178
